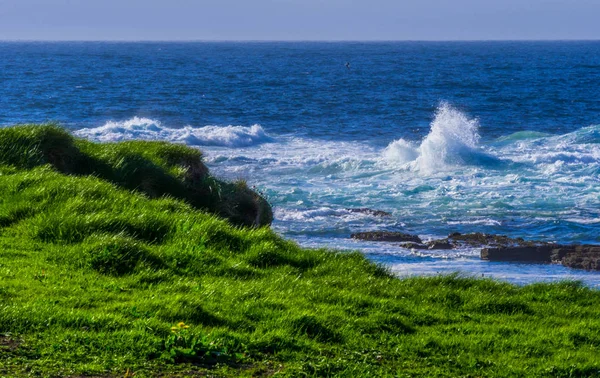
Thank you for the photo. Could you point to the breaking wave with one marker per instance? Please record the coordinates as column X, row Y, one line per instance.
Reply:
column 452, row 141
column 150, row 129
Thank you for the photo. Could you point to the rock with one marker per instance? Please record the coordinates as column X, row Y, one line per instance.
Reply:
column 375, row 213
column 496, row 247
column 479, row 239
column 439, row 244
column 582, row 262
column 411, row 245
column 541, row 253
column 578, row 256
column 572, row 256
column 386, row 236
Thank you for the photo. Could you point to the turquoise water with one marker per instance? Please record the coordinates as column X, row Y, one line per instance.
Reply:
column 496, row 137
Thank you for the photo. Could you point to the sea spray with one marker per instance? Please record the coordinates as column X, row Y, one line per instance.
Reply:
column 452, row 140
column 453, row 135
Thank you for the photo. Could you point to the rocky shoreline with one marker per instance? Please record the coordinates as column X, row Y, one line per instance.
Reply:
column 498, row 248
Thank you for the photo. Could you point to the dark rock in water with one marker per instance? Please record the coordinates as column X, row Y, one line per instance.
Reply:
column 541, row 253
column 479, row 239
column 411, row 245
column 498, row 248
column 375, row 213
column 439, row 244
column 453, row 241
column 386, row 236
column 572, row 256
column 578, row 256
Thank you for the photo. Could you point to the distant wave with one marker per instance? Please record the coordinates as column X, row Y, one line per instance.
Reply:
column 452, row 140
column 522, row 135
column 578, row 149
column 149, row 129
column 585, row 135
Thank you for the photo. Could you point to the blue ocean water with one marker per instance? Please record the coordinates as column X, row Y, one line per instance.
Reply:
column 495, row 137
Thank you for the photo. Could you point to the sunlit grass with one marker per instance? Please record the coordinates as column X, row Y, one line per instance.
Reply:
column 99, row 278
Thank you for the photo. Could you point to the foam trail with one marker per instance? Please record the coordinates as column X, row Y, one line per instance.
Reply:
column 149, row 129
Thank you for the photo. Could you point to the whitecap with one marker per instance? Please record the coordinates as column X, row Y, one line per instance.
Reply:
column 150, row 129
column 320, row 214
column 584, row 220
column 453, row 140
column 485, row 222
column 401, row 152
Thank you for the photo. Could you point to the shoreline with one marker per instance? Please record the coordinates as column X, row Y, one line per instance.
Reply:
column 465, row 261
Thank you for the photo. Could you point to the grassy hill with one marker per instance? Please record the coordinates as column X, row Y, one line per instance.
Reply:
column 156, row 169
column 129, row 258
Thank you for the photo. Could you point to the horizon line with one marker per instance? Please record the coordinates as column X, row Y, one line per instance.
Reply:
column 24, row 40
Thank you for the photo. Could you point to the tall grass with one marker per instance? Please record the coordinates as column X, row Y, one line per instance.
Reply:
column 98, row 278
column 157, row 169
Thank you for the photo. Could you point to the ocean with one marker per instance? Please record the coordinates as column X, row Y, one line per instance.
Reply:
column 494, row 137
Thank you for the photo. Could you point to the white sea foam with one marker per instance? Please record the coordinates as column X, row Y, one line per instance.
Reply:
column 578, row 147
column 485, row 222
column 401, row 152
column 308, row 215
column 150, row 129
column 298, row 156
column 321, row 214
column 584, row 220
column 453, row 140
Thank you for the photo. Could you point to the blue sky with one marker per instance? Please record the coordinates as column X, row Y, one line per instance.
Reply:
column 298, row 19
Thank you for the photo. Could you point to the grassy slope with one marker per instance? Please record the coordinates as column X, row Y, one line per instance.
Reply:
column 156, row 169
column 93, row 276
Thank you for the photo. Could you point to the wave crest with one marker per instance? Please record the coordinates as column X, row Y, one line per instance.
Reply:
column 453, row 140
column 149, row 129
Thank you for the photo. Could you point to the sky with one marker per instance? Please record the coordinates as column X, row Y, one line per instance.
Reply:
column 299, row 19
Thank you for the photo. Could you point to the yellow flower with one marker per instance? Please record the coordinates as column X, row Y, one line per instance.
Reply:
column 186, row 326
column 180, row 324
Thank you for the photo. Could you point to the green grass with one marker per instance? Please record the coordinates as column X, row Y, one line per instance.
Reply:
column 96, row 274
column 156, row 169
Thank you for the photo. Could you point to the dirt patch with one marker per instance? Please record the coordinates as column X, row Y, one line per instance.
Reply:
column 8, row 343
